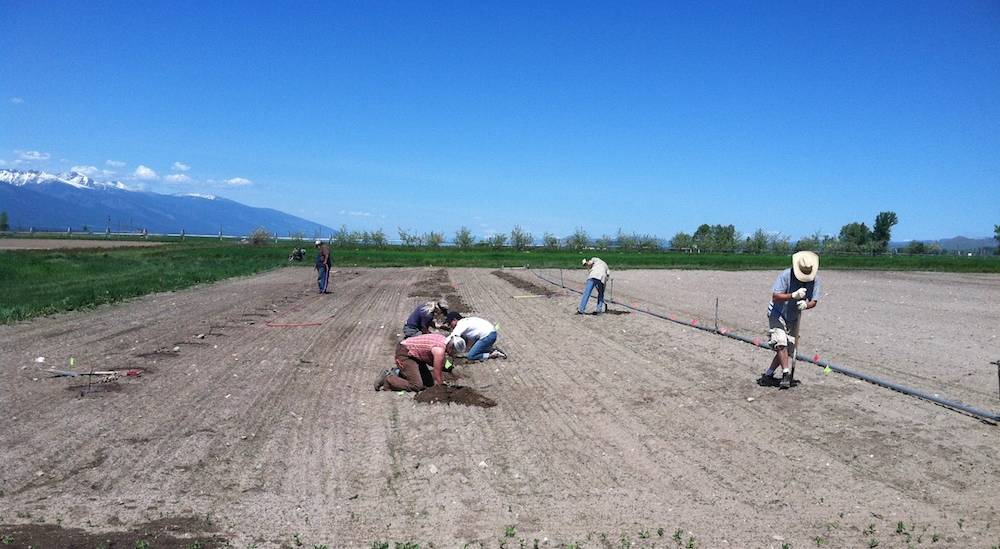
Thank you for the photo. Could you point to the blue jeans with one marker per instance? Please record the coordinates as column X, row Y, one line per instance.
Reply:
column 589, row 289
column 322, row 277
column 481, row 349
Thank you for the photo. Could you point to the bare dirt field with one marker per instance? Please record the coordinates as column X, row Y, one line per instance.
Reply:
column 253, row 419
column 66, row 243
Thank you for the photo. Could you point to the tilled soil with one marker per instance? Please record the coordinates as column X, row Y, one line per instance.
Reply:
column 607, row 428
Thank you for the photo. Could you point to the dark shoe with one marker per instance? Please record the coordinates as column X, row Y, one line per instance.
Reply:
column 380, row 380
column 765, row 380
column 580, row 312
column 786, row 381
column 499, row 353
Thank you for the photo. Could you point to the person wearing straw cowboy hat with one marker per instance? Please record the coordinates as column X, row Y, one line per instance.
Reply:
column 597, row 278
column 795, row 290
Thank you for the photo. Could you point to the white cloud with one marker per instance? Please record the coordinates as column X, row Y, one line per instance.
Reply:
column 177, row 178
column 115, row 163
column 238, row 181
column 142, row 172
column 17, row 100
column 89, row 171
column 180, row 167
column 29, row 156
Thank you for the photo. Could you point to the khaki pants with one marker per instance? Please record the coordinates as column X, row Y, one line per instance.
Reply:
column 780, row 334
column 409, row 378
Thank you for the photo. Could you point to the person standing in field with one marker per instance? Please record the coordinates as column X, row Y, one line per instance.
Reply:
column 323, row 264
column 795, row 290
column 597, row 278
column 426, row 350
column 479, row 334
column 421, row 320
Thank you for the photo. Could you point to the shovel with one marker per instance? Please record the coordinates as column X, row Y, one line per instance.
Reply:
column 798, row 325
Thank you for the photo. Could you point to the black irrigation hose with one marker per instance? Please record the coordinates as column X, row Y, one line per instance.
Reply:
column 991, row 417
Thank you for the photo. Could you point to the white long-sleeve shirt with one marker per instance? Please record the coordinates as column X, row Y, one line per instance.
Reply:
column 473, row 328
column 599, row 270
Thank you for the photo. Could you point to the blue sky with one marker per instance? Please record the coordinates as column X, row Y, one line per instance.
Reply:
column 653, row 117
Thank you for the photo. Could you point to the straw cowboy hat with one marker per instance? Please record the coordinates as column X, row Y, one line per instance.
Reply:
column 805, row 265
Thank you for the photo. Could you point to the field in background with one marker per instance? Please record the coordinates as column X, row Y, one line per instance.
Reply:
column 40, row 282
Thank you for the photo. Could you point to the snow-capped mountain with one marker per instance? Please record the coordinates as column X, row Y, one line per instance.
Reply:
column 45, row 201
column 75, row 179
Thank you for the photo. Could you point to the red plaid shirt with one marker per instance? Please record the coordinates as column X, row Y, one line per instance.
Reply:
column 420, row 346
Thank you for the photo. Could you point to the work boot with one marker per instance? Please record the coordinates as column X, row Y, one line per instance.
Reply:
column 765, row 380
column 497, row 353
column 786, row 380
column 380, row 380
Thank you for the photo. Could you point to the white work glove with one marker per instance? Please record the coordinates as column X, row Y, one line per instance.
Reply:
column 802, row 304
column 799, row 294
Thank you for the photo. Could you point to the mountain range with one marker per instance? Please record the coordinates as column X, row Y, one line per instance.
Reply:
column 72, row 200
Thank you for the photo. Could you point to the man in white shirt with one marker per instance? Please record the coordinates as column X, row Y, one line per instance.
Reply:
column 597, row 278
column 479, row 334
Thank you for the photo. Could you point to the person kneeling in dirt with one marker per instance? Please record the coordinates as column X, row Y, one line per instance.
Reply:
column 597, row 278
column 795, row 290
column 477, row 333
column 426, row 350
column 421, row 320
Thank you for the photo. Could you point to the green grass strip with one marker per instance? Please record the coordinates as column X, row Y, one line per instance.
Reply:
column 40, row 282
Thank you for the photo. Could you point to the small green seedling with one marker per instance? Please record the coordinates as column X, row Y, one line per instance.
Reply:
column 677, row 536
column 142, row 544
column 510, row 531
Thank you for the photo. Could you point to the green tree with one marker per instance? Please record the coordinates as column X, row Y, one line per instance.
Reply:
column 882, row 232
column 604, row 242
column 702, row 237
column 778, row 244
column 681, row 241
column 497, row 241
column 464, row 238
column 996, row 234
column 410, row 239
column 433, row 239
column 855, row 236
column 813, row 242
column 519, row 238
column 5, row 225
column 345, row 238
column 378, row 238
column 756, row 243
column 550, row 242
column 915, row 247
column 578, row 240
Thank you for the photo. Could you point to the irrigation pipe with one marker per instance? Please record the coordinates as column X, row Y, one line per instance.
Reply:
column 988, row 416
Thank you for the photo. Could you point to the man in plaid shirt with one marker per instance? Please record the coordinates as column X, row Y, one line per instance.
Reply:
column 427, row 350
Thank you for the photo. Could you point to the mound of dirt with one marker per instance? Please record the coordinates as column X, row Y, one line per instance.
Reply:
column 454, row 394
column 437, row 285
column 535, row 289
